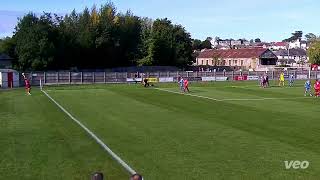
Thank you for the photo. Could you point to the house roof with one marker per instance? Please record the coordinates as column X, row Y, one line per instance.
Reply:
column 303, row 42
column 292, row 52
column 287, row 60
column 280, row 44
column 4, row 57
column 234, row 53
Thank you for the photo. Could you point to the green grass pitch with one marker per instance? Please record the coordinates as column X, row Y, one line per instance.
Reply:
column 224, row 130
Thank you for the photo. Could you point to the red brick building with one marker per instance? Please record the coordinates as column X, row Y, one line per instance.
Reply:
column 254, row 58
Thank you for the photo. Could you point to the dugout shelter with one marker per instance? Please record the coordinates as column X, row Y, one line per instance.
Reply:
column 9, row 78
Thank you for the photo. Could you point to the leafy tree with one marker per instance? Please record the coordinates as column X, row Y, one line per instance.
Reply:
column 95, row 16
column 7, row 46
column 311, row 37
column 106, row 39
column 206, row 44
column 98, row 38
column 1, row 45
column 314, row 53
column 168, row 45
column 35, row 41
column 257, row 40
column 162, row 43
column 183, row 47
column 129, row 39
column 196, row 44
column 295, row 36
column 144, row 47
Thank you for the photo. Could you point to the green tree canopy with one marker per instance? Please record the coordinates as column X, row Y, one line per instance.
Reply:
column 295, row 36
column 35, row 41
column 168, row 45
column 196, row 44
column 206, row 44
column 7, row 46
column 96, row 38
column 314, row 53
column 257, row 40
column 311, row 37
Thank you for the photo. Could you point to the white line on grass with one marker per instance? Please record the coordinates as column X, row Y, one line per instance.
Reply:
column 258, row 86
column 220, row 100
column 99, row 141
column 262, row 99
column 204, row 97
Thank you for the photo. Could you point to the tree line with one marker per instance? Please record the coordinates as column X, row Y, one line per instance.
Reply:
column 96, row 38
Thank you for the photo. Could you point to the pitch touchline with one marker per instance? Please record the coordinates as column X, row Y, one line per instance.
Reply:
column 261, row 99
column 193, row 95
column 99, row 141
column 248, row 99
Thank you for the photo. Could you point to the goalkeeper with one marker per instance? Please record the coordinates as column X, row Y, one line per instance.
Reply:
column 27, row 84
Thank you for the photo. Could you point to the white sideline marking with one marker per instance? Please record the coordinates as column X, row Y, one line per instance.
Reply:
column 99, row 141
column 262, row 99
column 204, row 97
column 247, row 99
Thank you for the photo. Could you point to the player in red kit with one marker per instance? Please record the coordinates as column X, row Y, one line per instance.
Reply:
column 317, row 88
column 186, row 85
column 27, row 84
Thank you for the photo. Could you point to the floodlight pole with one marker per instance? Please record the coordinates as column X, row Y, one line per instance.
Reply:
column 44, row 77
column 288, row 51
column 40, row 84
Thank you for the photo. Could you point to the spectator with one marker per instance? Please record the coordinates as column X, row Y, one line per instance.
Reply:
column 267, row 81
column 135, row 77
column 136, row 177
column 146, row 82
column 97, row 176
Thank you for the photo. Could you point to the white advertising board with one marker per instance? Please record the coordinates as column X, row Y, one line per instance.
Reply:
column 166, row 79
column 253, row 78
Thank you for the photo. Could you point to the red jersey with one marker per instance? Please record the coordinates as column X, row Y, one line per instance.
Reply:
column 318, row 85
column 186, row 83
column 27, row 83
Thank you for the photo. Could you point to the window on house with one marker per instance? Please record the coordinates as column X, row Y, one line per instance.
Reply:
column 202, row 62
column 229, row 62
column 235, row 62
column 241, row 62
column 207, row 62
column 212, row 62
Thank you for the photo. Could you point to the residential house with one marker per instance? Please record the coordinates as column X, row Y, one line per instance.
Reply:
column 229, row 43
column 279, row 45
column 263, row 45
column 302, row 44
column 292, row 57
column 247, row 58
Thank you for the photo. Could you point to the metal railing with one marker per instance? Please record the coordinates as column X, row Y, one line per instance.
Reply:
column 56, row 78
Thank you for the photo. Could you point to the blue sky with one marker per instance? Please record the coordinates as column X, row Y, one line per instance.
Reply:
column 271, row 20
